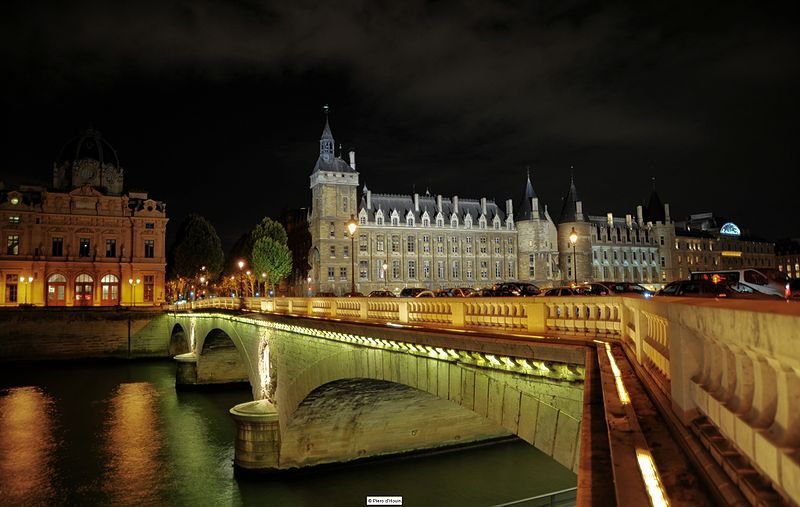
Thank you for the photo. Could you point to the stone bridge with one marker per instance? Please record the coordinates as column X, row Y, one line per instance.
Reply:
column 329, row 374
column 332, row 392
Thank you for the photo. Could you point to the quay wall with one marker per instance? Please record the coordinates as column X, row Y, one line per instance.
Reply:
column 56, row 334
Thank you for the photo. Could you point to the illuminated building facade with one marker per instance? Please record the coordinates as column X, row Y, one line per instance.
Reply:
column 787, row 255
column 433, row 241
column 82, row 242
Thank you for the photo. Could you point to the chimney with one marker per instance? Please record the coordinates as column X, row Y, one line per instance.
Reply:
column 509, row 208
column 535, row 208
column 579, row 210
column 439, row 203
column 455, row 204
column 483, row 206
column 369, row 199
column 666, row 214
column 629, row 220
column 352, row 160
column 416, row 203
column 639, row 216
column 610, row 219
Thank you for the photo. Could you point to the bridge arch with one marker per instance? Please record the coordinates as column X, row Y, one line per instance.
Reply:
column 219, row 359
column 491, row 394
column 179, row 341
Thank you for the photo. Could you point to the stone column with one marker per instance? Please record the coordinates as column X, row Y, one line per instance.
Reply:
column 186, row 374
column 258, row 441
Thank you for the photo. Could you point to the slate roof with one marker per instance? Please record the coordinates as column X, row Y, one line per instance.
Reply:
column 405, row 203
column 568, row 213
column 525, row 210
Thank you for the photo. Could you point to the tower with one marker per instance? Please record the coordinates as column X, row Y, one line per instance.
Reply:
column 333, row 186
column 573, row 219
column 537, row 240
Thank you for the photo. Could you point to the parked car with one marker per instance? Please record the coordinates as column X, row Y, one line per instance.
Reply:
column 629, row 288
column 566, row 291
column 482, row 293
column 353, row 295
column 457, row 292
column 411, row 292
column 695, row 288
column 515, row 289
column 325, row 295
column 425, row 294
column 381, row 294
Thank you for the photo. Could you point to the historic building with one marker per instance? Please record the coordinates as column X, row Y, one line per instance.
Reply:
column 83, row 242
column 787, row 253
column 704, row 242
column 433, row 241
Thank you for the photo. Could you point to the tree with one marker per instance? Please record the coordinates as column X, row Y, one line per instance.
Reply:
column 197, row 250
column 269, row 228
column 272, row 258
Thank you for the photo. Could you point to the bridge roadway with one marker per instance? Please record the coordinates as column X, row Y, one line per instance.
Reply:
column 678, row 401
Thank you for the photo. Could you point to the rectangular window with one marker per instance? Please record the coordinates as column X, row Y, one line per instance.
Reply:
column 426, row 244
column 149, row 248
column 111, row 248
column 510, row 266
column 483, row 245
column 13, row 219
column 455, row 271
column 498, row 269
column 345, row 251
column 343, row 274
column 13, row 245
column 85, row 246
column 468, row 270
column 395, row 270
column 440, row 270
column 395, row 244
column 332, row 250
column 149, row 225
column 11, row 288
column 661, row 239
column 362, row 243
column 331, row 274
column 363, row 268
column 332, row 229
column 148, row 286
column 411, row 244
column 58, row 247
column 532, row 266
column 426, row 269
column 412, row 270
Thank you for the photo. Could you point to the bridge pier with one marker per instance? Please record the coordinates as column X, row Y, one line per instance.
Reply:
column 258, row 438
column 186, row 374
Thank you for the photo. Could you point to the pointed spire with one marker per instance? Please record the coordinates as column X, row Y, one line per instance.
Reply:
column 569, row 208
column 654, row 211
column 526, row 211
column 326, row 145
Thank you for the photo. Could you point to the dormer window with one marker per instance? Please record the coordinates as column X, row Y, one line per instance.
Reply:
column 410, row 220
column 439, row 220
column 468, row 221
column 395, row 218
column 426, row 221
column 379, row 217
column 454, row 221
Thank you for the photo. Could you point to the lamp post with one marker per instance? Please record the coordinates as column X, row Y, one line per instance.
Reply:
column 385, row 266
column 133, row 283
column 352, row 227
column 241, row 281
column 573, row 238
column 27, row 281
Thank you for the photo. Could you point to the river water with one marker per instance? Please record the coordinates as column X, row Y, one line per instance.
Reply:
column 118, row 433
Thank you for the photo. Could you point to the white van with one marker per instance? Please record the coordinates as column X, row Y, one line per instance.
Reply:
column 765, row 281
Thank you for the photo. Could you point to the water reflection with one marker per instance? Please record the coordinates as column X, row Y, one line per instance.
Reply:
column 27, row 446
column 133, row 440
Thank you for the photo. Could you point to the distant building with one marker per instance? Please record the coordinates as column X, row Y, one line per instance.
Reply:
column 787, row 254
column 433, row 241
column 82, row 242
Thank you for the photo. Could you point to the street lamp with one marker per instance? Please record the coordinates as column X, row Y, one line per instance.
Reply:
column 573, row 238
column 133, row 283
column 29, row 281
column 352, row 227
column 241, row 280
column 385, row 266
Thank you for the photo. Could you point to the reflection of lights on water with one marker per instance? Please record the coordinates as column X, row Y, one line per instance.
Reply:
column 133, row 442
column 26, row 446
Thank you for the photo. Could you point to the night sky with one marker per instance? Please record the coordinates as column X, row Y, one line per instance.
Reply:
column 215, row 106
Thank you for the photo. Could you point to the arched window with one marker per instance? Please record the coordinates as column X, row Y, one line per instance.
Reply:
column 109, row 290
column 84, row 290
column 56, row 290
column 454, row 221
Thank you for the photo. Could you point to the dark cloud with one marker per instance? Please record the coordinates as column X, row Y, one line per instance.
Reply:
column 459, row 96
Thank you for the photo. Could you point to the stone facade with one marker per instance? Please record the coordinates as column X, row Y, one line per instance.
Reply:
column 433, row 242
column 83, row 242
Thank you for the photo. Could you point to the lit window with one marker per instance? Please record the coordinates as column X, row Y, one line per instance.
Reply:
column 13, row 219
column 13, row 245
